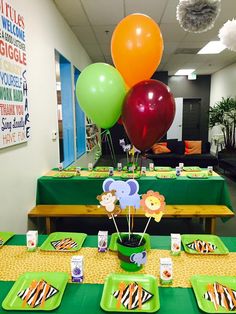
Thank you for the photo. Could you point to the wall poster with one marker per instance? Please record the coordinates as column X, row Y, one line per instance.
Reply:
column 14, row 111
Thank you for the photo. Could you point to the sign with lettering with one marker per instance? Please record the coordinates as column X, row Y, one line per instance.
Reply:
column 14, row 111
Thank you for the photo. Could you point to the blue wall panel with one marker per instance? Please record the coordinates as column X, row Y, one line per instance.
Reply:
column 80, row 123
column 67, row 112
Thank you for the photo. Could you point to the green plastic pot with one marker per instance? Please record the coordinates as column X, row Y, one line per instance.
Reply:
column 132, row 258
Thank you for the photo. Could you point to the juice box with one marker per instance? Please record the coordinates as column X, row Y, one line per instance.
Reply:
column 166, row 271
column 102, row 241
column 175, row 243
column 111, row 171
column 90, row 166
column 32, row 240
column 177, row 171
column 151, row 166
column 78, row 171
column 119, row 166
column 77, row 268
column 60, row 166
column 143, row 171
column 210, row 170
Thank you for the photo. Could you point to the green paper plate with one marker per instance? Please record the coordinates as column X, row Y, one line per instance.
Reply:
column 199, row 284
column 130, row 175
column 5, row 236
column 63, row 175
column 188, row 238
column 125, row 168
column 98, row 175
column 166, row 176
column 114, row 237
column 71, row 168
column 192, row 169
column 102, row 169
column 197, row 175
column 57, row 279
column 148, row 282
column 163, row 169
column 77, row 237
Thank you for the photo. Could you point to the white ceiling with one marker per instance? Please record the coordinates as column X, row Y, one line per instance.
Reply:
column 93, row 22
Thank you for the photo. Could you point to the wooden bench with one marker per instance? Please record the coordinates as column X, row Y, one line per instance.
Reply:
column 207, row 212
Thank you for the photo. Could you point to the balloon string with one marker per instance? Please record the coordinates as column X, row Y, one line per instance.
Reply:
column 141, row 164
column 110, row 147
column 145, row 230
column 110, row 143
column 103, row 132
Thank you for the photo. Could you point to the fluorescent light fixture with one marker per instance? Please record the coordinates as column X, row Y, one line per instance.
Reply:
column 213, row 47
column 184, row 71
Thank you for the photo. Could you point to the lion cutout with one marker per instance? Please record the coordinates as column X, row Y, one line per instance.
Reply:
column 153, row 204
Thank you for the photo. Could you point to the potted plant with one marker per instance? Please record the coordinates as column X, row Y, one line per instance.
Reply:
column 223, row 114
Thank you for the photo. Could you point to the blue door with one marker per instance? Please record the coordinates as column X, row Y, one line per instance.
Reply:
column 67, row 111
column 80, row 123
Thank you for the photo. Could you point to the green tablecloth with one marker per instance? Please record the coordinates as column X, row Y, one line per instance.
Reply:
column 85, row 298
column 183, row 190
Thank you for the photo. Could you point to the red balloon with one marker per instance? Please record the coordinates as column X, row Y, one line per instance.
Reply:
column 119, row 121
column 148, row 112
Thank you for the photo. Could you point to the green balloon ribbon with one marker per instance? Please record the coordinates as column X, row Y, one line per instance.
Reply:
column 100, row 91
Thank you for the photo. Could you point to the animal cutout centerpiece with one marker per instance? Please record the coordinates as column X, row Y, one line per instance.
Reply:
column 153, row 205
column 131, row 246
column 108, row 200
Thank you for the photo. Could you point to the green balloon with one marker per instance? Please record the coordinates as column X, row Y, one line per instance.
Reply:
column 100, row 91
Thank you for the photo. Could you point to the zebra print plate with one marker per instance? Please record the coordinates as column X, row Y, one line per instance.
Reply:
column 149, row 293
column 56, row 282
column 207, row 293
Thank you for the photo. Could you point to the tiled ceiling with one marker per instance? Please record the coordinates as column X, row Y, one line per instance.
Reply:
column 93, row 22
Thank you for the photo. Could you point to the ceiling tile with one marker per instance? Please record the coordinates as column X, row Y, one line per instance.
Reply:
column 228, row 10
column 172, row 32
column 104, row 11
column 170, row 12
column 98, row 58
column 85, row 34
column 104, row 32
column 109, row 59
column 72, row 11
column 93, row 50
column 201, row 37
column 106, row 49
column 152, row 8
column 170, row 47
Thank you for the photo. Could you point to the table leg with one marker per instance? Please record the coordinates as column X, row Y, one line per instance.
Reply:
column 210, row 225
column 48, row 225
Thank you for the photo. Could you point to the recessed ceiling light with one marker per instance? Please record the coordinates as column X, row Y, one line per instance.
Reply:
column 213, row 47
column 184, row 71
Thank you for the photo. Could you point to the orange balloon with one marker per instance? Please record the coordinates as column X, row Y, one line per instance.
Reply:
column 136, row 48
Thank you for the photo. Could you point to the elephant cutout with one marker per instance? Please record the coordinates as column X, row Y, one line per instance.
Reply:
column 126, row 191
column 139, row 258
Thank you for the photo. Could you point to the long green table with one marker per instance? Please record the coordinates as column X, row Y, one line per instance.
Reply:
column 85, row 298
column 180, row 191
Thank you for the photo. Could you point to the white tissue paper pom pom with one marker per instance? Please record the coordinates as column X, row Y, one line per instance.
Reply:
column 197, row 16
column 227, row 35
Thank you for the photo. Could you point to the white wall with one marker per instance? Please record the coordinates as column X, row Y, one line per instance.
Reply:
column 21, row 165
column 223, row 84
